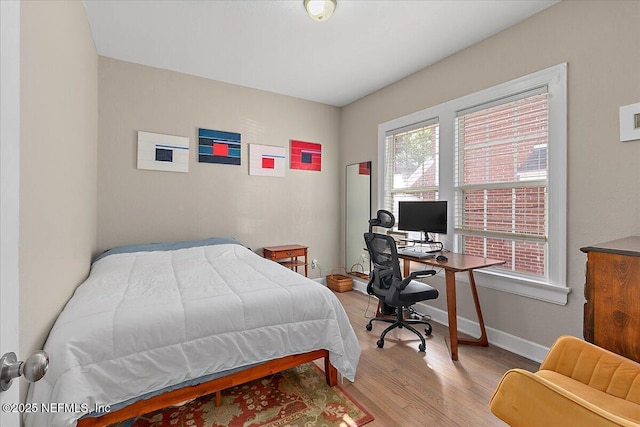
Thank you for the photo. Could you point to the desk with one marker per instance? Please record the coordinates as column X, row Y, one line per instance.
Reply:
column 456, row 264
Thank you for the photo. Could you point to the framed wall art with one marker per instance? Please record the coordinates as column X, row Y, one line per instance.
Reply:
column 216, row 146
column 163, row 152
column 306, row 155
column 267, row 160
column 630, row 122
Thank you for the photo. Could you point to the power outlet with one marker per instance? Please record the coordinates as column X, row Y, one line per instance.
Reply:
column 363, row 258
column 314, row 263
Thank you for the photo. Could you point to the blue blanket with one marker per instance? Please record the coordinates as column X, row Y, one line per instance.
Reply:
column 167, row 246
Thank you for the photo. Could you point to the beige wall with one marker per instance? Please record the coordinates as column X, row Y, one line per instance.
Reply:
column 58, row 144
column 600, row 41
column 139, row 206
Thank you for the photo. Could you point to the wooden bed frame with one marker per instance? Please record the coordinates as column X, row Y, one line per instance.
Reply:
column 185, row 394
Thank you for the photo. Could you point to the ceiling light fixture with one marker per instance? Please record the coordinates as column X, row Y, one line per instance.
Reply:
column 320, row 10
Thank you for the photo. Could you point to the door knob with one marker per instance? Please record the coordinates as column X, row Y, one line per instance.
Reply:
column 32, row 369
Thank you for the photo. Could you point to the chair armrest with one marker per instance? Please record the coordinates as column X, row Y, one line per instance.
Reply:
column 524, row 399
column 421, row 274
column 415, row 275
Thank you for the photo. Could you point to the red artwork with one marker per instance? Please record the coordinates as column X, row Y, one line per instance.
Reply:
column 306, row 155
column 364, row 168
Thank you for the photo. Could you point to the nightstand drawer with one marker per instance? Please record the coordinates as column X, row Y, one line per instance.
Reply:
column 279, row 252
column 291, row 253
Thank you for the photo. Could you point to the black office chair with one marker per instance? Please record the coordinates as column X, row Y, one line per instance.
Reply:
column 387, row 282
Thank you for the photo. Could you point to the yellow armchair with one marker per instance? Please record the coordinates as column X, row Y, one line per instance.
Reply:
column 578, row 384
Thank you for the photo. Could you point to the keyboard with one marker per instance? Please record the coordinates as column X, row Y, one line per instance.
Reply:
column 415, row 254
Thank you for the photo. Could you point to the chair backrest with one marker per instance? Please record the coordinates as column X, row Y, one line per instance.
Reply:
column 383, row 253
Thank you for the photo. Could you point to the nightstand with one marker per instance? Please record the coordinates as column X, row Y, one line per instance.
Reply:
column 288, row 256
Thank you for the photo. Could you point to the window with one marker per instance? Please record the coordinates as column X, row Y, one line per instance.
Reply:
column 498, row 157
column 411, row 164
column 501, row 205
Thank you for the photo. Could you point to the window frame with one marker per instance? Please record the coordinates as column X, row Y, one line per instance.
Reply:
column 554, row 288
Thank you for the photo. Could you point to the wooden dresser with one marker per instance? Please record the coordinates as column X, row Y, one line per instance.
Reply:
column 612, row 291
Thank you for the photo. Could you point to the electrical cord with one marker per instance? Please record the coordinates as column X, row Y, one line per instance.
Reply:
column 415, row 314
column 366, row 310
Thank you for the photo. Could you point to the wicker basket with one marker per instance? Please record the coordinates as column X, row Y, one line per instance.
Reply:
column 360, row 274
column 339, row 282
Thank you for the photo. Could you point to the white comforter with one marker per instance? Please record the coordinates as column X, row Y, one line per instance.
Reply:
column 144, row 321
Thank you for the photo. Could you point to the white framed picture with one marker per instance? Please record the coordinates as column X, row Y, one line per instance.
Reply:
column 267, row 160
column 630, row 122
column 163, row 152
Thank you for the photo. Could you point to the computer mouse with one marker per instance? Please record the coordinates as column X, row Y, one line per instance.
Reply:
column 442, row 258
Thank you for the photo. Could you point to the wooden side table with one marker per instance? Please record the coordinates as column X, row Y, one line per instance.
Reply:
column 289, row 256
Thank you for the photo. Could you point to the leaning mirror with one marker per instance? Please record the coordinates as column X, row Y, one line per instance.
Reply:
column 358, row 213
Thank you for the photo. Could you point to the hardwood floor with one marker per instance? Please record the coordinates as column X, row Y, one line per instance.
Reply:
column 403, row 387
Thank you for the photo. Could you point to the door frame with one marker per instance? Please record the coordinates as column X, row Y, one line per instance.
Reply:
column 9, row 192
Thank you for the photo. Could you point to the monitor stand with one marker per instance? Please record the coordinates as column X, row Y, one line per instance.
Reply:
column 428, row 241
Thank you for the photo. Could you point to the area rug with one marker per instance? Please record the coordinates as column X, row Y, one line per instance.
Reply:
column 297, row 397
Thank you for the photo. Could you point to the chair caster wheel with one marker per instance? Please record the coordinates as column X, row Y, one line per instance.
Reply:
column 428, row 330
column 369, row 327
column 422, row 348
column 380, row 343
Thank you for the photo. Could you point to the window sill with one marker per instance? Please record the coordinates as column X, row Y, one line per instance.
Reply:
column 529, row 288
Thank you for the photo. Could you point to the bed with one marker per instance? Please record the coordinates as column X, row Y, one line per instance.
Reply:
column 181, row 319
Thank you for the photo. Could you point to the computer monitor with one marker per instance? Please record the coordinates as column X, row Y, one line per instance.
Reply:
column 425, row 216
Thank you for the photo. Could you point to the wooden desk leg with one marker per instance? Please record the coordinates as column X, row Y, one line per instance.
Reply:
column 452, row 312
column 482, row 341
column 406, row 267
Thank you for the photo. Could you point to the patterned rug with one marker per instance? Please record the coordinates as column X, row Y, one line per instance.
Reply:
column 297, row 397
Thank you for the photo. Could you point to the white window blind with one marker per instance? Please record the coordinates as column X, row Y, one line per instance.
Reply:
column 411, row 164
column 501, row 151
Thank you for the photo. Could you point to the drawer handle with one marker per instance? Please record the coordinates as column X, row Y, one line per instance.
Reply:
column 289, row 253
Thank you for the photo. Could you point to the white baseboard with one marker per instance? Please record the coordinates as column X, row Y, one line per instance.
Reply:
column 359, row 285
column 512, row 343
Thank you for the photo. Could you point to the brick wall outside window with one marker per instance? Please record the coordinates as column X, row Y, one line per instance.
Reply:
column 503, row 161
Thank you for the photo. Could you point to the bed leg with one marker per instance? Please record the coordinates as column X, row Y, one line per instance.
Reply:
column 218, row 397
column 330, row 372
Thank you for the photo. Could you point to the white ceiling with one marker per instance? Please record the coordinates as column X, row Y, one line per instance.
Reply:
column 274, row 46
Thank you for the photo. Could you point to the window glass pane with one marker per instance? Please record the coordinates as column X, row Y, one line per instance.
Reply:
column 529, row 257
column 508, row 210
column 505, row 143
column 520, row 256
column 411, row 165
column 415, row 158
